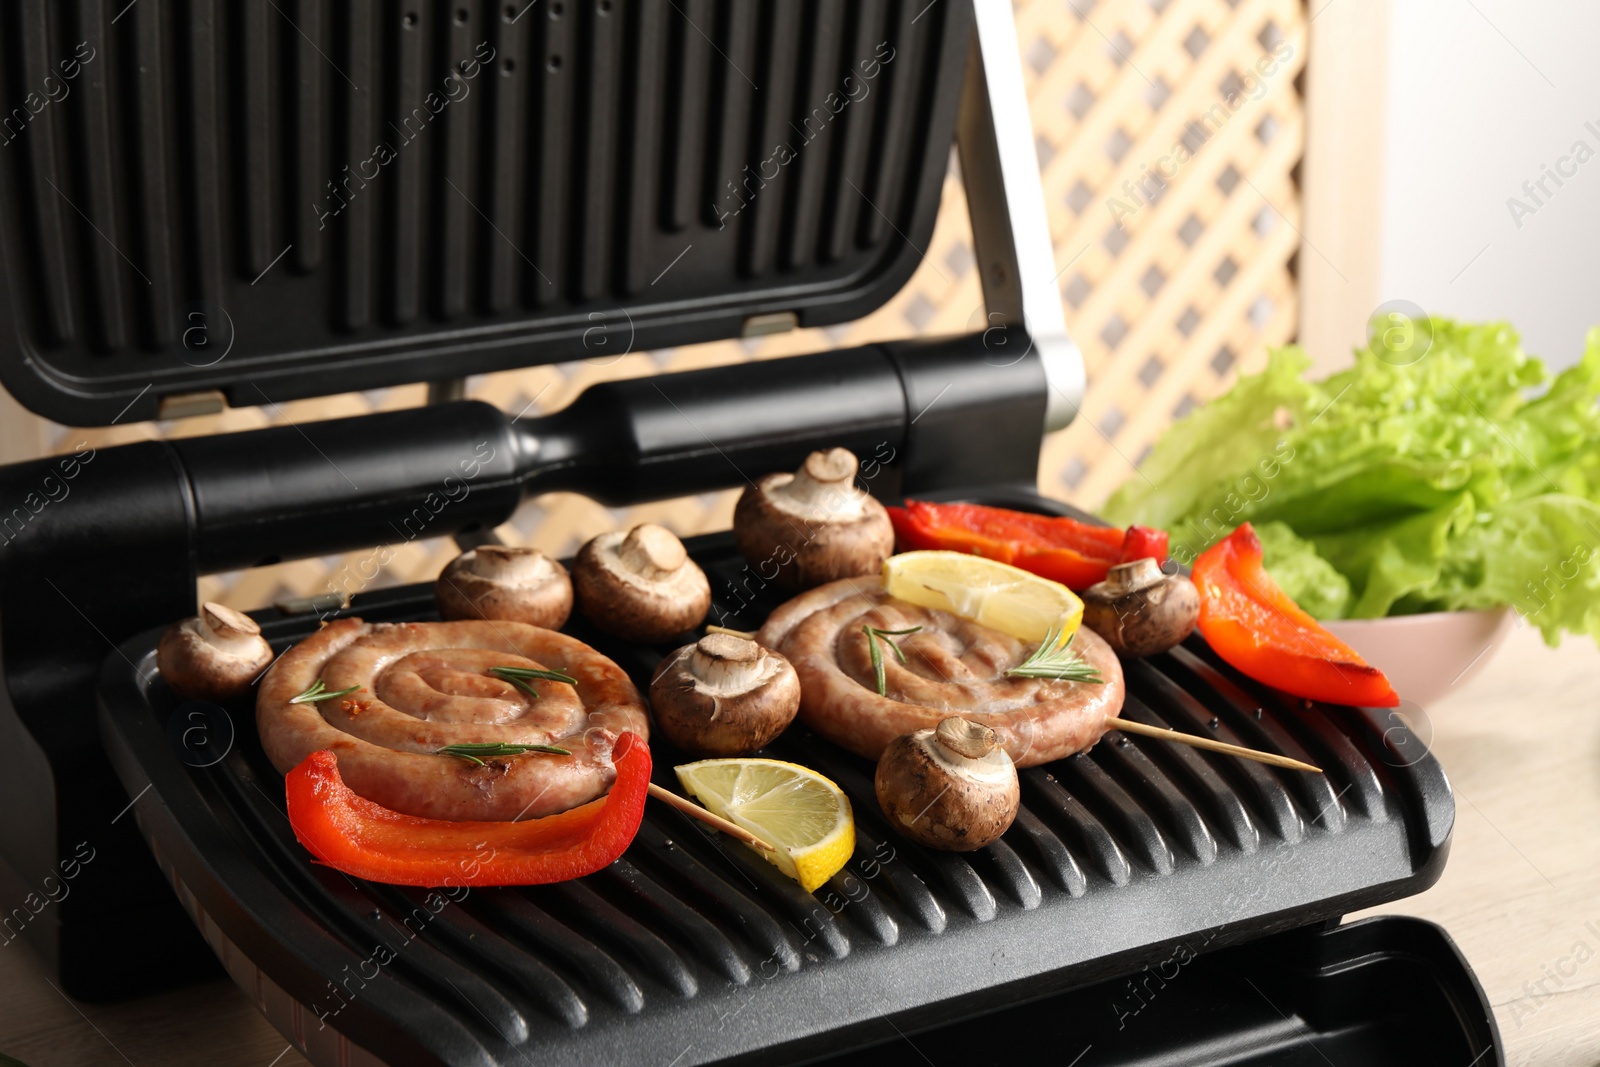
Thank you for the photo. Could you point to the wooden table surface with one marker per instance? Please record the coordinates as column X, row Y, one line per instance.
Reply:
column 1521, row 893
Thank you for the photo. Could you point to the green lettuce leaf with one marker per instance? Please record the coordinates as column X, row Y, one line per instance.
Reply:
column 1460, row 479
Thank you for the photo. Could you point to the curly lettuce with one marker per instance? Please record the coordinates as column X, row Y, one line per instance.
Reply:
column 1467, row 478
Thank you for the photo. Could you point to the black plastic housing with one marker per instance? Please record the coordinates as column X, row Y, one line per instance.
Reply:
column 289, row 200
column 1390, row 991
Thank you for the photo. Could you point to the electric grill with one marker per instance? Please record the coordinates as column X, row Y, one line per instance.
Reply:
column 354, row 198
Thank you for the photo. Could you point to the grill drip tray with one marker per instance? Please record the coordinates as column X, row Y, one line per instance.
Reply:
column 690, row 949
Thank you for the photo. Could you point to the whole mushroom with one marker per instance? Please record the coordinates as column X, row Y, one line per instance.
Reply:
column 505, row 582
column 813, row 526
column 1141, row 610
column 951, row 788
column 214, row 655
column 724, row 696
column 640, row 586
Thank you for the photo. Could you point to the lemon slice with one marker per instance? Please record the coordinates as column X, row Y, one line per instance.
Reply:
column 1010, row 599
column 804, row 815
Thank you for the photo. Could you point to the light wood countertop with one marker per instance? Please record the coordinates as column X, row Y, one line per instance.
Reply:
column 1521, row 892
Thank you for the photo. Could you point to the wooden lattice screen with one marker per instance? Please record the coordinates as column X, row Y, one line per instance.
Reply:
column 1176, row 265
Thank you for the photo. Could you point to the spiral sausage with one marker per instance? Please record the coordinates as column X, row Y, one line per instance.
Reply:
column 953, row 667
column 424, row 686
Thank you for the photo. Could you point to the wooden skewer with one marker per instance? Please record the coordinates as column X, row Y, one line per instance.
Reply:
column 690, row 808
column 1131, row 727
column 748, row 635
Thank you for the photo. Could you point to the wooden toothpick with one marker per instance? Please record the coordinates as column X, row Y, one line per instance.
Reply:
column 717, row 822
column 1164, row 734
column 748, row 635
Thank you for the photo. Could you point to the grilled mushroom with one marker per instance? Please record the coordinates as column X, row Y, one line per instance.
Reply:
column 214, row 655
column 950, row 788
column 641, row 586
column 508, row 583
column 814, row 525
column 724, row 696
column 1140, row 610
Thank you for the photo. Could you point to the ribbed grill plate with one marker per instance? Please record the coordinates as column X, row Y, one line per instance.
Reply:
column 691, row 949
column 296, row 198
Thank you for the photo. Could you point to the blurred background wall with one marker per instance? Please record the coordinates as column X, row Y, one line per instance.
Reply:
column 1484, row 96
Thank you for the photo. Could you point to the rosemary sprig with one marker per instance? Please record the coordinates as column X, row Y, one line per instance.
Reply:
column 1048, row 661
column 875, row 635
column 319, row 691
column 474, row 751
column 518, row 676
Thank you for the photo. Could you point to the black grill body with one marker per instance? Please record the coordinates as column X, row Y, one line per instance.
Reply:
column 180, row 232
column 1133, row 858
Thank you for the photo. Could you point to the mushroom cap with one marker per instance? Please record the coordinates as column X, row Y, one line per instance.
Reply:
column 214, row 655
column 951, row 788
column 640, row 586
column 813, row 526
column 506, row 582
column 724, row 696
column 1140, row 610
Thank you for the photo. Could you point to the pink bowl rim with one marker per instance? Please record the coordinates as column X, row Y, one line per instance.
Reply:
column 1421, row 619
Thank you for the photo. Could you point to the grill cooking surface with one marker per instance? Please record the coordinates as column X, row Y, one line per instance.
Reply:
column 691, row 949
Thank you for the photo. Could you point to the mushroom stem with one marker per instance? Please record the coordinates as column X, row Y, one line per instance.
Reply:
column 1131, row 577
column 227, row 629
column 224, row 622
column 972, row 740
column 822, row 474
column 652, row 551
column 726, row 665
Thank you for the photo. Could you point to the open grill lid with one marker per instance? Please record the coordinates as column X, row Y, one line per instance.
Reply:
column 276, row 202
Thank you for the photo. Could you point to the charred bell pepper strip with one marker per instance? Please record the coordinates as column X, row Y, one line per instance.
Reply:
column 360, row 838
column 1076, row 554
column 1255, row 626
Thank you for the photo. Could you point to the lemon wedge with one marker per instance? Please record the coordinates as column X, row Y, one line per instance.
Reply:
column 1009, row 599
column 802, row 814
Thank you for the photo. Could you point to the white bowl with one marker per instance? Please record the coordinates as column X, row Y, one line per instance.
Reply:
column 1427, row 656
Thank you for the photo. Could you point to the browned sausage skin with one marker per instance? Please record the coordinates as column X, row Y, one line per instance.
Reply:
column 953, row 667
column 425, row 686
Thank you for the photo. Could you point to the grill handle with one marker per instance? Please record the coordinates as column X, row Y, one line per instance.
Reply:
column 921, row 415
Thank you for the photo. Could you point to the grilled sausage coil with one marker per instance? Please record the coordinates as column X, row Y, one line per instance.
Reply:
column 953, row 667
column 427, row 685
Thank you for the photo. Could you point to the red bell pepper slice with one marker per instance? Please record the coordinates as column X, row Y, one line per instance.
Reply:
column 1254, row 625
column 1076, row 554
column 352, row 834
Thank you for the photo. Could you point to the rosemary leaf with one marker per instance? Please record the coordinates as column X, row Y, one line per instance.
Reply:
column 877, row 661
column 1063, row 664
column 874, row 636
column 474, row 751
column 520, row 676
column 319, row 691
